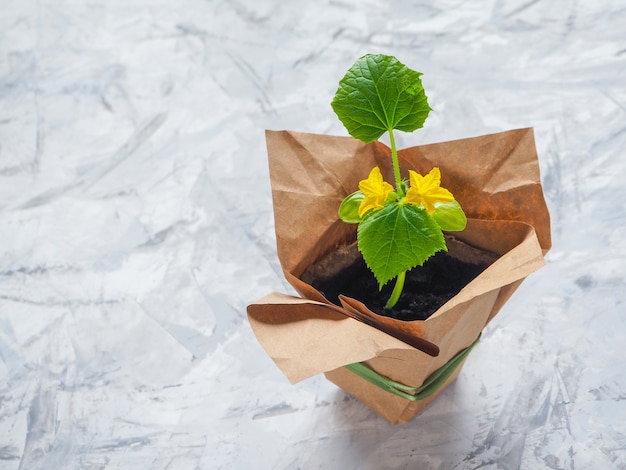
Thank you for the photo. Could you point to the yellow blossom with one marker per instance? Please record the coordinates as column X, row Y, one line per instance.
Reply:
column 425, row 190
column 376, row 191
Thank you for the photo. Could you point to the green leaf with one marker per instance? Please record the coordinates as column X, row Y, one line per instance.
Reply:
column 449, row 216
column 349, row 208
column 378, row 94
column 398, row 238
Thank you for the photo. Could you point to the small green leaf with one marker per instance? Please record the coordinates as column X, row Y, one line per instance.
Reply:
column 349, row 208
column 449, row 216
column 378, row 94
column 398, row 238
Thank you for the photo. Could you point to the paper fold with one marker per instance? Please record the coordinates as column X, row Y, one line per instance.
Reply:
column 306, row 338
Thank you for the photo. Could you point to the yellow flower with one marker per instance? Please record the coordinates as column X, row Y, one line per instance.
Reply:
column 425, row 190
column 376, row 191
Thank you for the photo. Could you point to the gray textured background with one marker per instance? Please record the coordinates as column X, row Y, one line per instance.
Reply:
column 136, row 225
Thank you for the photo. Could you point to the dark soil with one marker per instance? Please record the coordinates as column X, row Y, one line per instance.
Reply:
column 426, row 288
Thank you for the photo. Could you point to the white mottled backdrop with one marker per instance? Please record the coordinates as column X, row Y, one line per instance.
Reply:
column 136, row 225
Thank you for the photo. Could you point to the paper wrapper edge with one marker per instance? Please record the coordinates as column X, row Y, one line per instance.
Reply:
column 305, row 338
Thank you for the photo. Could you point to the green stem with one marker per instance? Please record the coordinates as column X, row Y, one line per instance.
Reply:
column 396, row 164
column 397, row 290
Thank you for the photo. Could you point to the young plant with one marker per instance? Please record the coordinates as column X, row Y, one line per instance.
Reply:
column 399, row 227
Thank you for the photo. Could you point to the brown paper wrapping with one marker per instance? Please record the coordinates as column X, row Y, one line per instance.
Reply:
column 496, row 180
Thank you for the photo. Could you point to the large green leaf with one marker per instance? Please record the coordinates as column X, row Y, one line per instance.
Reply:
column 378, row 94
column 398, row 238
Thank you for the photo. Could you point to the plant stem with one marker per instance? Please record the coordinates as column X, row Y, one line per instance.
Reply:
column 397, row 290
column 396, row 164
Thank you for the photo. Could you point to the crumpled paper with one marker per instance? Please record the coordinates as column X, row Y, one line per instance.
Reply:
column 496, row 180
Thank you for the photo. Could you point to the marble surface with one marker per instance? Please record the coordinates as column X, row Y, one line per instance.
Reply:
column 136, row 225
